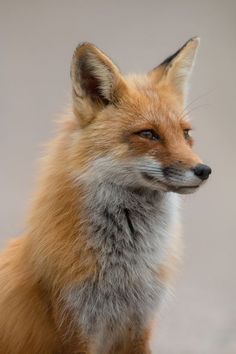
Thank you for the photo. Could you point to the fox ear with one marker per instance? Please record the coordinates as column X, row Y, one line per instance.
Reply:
column 96, row 81
column 176, row 69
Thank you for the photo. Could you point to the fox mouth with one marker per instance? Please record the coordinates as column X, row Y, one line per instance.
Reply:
column 182, row 189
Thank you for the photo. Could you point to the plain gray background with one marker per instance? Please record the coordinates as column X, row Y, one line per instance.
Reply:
column 37, row 41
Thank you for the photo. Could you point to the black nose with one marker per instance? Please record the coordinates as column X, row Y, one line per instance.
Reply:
column 202, row 171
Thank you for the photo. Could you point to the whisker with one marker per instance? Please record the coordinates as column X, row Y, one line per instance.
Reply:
column 192, row 110
column 153, row 171
column 150, row 168
column 197, row 99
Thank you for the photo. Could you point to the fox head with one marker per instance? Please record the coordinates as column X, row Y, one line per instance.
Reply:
column 133, row 130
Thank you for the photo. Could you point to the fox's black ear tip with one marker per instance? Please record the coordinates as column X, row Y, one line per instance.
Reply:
column 195, row 40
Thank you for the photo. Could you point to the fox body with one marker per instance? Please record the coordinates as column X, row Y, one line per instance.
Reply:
column 102, row 237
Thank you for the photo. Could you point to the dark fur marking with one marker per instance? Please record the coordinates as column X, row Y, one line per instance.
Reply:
column 111, row 217
column 148, row 176
column 169, row 59
column 88, row 80
column 172, row 172
column 127, row 215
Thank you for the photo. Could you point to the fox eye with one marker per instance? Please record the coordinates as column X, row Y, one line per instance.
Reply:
column 187, row 134
column 149, row 134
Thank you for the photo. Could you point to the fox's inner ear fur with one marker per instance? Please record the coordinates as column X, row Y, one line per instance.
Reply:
column 96, row 82
column 176, row 69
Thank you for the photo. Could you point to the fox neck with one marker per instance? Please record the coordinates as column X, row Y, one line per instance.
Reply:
column 125, row 219
column 95, row 222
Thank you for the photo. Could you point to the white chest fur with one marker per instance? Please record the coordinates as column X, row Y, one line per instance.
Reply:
column 130, row 232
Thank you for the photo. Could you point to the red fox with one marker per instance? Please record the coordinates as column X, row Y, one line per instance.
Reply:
column 101, row 239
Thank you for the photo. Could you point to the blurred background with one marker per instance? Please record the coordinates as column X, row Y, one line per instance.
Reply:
column 37, row 42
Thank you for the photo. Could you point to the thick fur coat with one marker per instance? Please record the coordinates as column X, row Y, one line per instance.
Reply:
column 102, row 237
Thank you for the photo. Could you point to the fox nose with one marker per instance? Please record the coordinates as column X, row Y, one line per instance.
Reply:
column 202, row 171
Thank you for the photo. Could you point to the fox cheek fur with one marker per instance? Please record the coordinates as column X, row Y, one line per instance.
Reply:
column 103, row 233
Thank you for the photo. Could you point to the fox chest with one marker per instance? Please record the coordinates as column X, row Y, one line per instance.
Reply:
column 130, row 244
